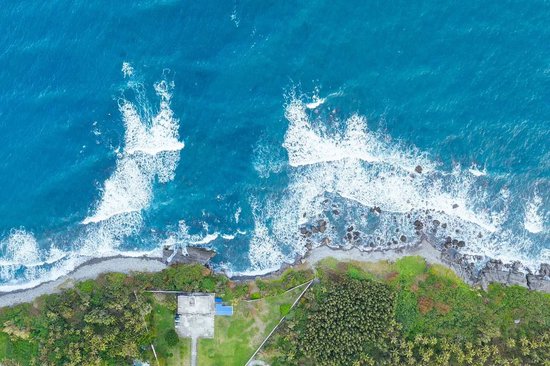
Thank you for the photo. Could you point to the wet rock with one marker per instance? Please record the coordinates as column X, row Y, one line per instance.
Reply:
column 448, row 240
column 322, row 224
column 376, row 209
column 479, row 235
column 350, row 229
column 461, row 244
column 356, row 235
column 403, row 238
column 336, row 212
column 418, row 169
column 544, row 269
column 455, row 205
column 304, row 215
column 417, row 233
column 349, row 236
column 418, row 224
column 303, row 230
column 394, row 241
column 444, row 225
column 325, row 241
column 436, row 223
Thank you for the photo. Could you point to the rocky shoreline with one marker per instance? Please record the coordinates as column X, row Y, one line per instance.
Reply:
column 462, row 265
column 467, row 267
column 496, row 271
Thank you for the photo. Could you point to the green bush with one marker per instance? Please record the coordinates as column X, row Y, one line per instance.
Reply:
column 171, row 337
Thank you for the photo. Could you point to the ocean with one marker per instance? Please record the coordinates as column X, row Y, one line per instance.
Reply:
column 261, row 128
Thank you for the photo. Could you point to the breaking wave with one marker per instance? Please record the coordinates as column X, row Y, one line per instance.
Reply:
column 150, row 154
column 349, row 185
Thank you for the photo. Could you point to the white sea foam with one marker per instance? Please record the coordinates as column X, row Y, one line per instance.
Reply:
column 474, row 169
column 355, row 165
column 20, row 248
column 533, row 220
column 151, row 151
column 237, row 215
column 264, row 251
column 206, row 239
column 316, row 102
column 127, row 69
column 150, row 154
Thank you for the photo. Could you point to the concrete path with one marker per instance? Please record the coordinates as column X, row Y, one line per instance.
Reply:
column 194, row 351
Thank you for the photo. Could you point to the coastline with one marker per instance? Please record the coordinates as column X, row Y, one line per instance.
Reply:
column 493, row 271
column 90, row 269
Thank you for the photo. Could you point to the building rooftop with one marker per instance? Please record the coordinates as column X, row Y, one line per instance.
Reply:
column 195, row 315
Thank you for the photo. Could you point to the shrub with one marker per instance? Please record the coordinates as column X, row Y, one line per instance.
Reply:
column 171, row 337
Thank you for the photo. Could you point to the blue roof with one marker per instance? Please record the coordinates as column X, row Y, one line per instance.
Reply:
column 223, row 310
column 218, row 300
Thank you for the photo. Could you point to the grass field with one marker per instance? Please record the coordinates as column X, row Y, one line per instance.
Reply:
column 178, row 355
column 237, row 337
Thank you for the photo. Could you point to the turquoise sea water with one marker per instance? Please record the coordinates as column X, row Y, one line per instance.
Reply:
column 128, row 125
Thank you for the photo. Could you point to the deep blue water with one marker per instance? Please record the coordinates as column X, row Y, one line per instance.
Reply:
column 460, row 88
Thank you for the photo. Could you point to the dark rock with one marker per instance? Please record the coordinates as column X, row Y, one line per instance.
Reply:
column 461, row 244
column 325, row 241
column 304, row 215
column 418, row 224
column 444, row 225
column 315, row 230
column 418, row 169
column 349, row 236
column 191, row 255
column 403, row 238
column 436, row 223
column 376, row 209
column 303, row 230
column 356, row 235
column 350, row 229
column 455, row 205
column 323, row 228
column 479, row 235
column 336, row 212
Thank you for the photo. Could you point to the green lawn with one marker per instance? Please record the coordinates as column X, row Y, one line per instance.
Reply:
column 163, row 320
column 237, row 337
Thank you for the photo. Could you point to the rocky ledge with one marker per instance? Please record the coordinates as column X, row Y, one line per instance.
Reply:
column 496, row 271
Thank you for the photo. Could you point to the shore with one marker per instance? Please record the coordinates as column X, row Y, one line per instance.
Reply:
column 494, row 271
column 86, row 271
column 425, row 250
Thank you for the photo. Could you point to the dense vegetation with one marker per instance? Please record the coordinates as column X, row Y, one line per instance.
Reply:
column 405, row 313
column 112, row 320
column 409, row 313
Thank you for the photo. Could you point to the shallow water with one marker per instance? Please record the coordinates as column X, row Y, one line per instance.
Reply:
column 128, row 125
